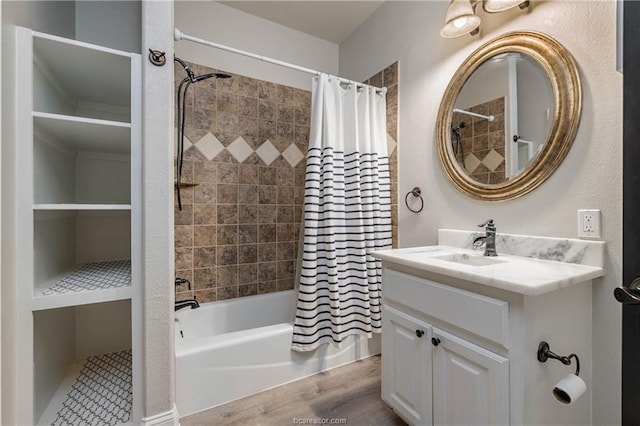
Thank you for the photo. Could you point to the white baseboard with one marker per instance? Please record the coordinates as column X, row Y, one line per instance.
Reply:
column 168, row 418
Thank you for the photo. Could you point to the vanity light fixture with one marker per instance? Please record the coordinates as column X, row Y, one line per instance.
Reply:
column 461, row 18
column 497, row 6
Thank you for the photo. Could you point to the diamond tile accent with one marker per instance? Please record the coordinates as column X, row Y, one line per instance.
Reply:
column 492, row 160
column 267, row 152
column 471, row 163
column 240, row 149
column 391, row 144
column 293, row 155
column 209, row 146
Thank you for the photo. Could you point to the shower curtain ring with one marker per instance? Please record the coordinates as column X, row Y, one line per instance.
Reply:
column 416, row 192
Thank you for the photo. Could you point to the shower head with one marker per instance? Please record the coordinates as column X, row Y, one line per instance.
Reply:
column 210, row 75
column 456, row 130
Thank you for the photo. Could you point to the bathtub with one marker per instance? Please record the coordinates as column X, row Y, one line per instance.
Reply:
column 234, row 348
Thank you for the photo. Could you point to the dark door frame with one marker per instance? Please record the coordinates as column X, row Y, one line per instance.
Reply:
column 631, row 213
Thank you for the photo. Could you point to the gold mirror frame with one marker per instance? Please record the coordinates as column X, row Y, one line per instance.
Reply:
column 563, row 76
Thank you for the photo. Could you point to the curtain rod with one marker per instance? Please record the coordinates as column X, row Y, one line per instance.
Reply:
column 474, row 114
column 179, row 35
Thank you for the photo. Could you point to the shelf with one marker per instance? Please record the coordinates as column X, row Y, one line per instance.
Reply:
column 83, row 71
column 95, row 391
column 88, row 283
column 185, row 184
column 82, row 207
column 84, row 134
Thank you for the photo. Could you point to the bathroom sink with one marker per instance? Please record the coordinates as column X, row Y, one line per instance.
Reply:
column 428, row 249
column 469, row 260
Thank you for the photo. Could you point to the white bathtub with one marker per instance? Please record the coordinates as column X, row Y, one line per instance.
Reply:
column 235, row 348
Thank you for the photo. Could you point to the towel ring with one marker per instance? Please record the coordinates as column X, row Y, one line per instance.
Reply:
column 416, row 192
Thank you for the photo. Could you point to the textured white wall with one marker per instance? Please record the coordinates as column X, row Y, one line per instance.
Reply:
column 157, row 235
column 54, row 17
column 222, row 24
column 590, row 177
column 95, row 23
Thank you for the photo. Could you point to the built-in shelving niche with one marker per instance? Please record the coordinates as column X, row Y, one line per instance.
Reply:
column 78, row 197
column 81, row 162
column 80, row 80
column 81, row 256
column 82, row 364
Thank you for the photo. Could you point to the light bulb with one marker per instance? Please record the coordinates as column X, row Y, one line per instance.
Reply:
column 460, row 22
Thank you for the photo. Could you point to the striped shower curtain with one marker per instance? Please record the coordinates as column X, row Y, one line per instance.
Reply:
column 347, row 215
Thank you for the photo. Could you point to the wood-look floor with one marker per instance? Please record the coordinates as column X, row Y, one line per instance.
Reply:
column 351, row 392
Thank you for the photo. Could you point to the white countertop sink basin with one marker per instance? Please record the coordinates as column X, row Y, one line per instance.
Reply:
column 471, row 260
column 523, row 275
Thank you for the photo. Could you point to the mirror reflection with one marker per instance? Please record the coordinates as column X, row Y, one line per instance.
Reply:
column 501, row 118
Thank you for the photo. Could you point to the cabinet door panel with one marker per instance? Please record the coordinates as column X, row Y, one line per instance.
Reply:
column 470, row 384
column 406, row 366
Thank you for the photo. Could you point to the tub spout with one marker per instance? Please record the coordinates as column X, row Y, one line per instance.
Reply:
column 193, row 303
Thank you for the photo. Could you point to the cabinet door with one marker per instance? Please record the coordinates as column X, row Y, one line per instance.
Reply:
column 406, row 366
column 470, row 384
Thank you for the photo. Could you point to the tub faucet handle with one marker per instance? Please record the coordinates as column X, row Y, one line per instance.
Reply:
column 180, row 281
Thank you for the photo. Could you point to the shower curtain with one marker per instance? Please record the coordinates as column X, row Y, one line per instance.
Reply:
column 347, row 215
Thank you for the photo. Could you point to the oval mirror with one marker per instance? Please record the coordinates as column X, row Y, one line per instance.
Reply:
column 509, row 116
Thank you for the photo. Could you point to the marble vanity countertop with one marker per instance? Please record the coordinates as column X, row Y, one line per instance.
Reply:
column 518, row 274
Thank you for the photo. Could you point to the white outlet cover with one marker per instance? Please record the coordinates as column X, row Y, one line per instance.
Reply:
column 589, row 223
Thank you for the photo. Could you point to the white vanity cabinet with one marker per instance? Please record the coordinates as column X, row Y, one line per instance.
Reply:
column 470, row 384
column 459, row 352
column 406, row 365
column 430, row 376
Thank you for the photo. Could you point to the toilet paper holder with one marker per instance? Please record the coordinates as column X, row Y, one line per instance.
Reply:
column 544, row 353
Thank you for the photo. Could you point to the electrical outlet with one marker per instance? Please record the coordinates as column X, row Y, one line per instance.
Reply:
column 589, row 223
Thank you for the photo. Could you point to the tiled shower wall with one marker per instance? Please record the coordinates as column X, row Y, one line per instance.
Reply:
column 483, row 142
column 389, row 78
column 237, row 234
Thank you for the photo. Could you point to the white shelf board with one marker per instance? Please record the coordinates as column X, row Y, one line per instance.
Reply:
column 85, row 134
column 40, row 303
column 82, row 206
column 74, row 377
column 87, row 283
column 86, row 72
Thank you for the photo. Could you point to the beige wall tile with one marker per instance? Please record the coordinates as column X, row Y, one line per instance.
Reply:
column 204, row 278
column 247, row 290
column 205, row 296
column 183, row 235
column 227, row 194
column 184, row 216
column 247, row 234
column 248, row 173
column 266, row 287
column 204, row 257
column 227, row 276
column 267, row 252
column 227, row 214
column 248, row 214
column 204, row 214
column 248, row 273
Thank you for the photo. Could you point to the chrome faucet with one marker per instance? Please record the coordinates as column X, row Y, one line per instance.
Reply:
column 193, row 303
column 489, row 239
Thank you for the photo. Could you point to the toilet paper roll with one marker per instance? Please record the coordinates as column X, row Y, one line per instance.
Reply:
column 569, row 389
